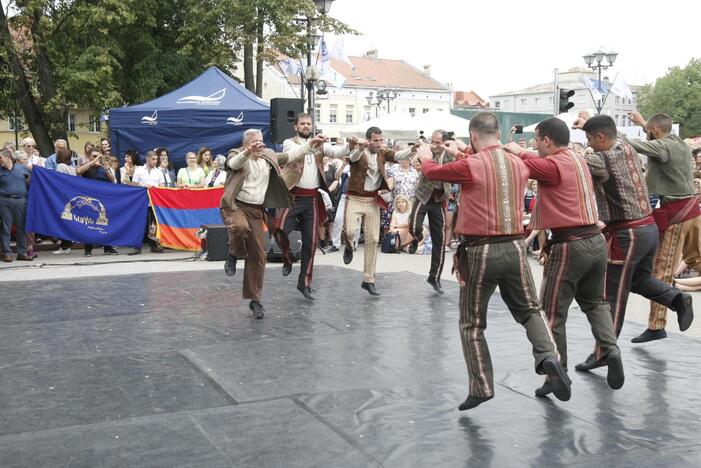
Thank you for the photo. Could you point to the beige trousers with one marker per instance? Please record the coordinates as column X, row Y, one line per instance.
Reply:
column 681, row 241
column 367, row 209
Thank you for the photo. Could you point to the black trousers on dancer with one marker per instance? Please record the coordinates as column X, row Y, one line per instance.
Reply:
column 304, row 216
column 436, row 225
column 630, row 270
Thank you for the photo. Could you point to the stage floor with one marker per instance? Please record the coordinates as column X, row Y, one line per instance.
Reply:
column 170, row 369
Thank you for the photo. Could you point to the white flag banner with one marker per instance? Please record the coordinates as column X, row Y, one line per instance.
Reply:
column 621, row 88
column 333, row 78
column 325, row 56
column 289, row 66
column 595, row 94
column 338, row 52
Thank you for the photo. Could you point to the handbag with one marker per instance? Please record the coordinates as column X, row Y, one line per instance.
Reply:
column 390, row 243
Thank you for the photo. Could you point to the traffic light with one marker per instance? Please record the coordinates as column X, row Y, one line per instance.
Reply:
column 565, row 104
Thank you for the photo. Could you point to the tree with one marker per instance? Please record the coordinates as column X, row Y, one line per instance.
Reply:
column 59, row 55
column 677, row 94
column 275, row 27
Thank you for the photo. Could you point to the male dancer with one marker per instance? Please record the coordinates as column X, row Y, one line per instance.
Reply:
column 670, row 175
column 304, row 178
column 431, row 198
column 575, row 267
column 253, row 182
column 367, row 178
column 492, row 253
column 624, row 207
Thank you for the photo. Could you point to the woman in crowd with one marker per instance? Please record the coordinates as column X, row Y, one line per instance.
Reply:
column 29, row 147
column 87, row 149
column 400, row 220
column 166, row 166
column 217, row 176
column 64, row 166
column 204, row 159
column 193, row 175
column 131, row 162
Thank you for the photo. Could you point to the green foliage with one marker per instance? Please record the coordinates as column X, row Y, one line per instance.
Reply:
column 99, row 54
column 678, row 94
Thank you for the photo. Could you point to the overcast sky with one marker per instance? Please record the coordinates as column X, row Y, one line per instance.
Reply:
column 494, row 46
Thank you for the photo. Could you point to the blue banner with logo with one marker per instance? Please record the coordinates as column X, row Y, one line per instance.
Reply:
column 86, row 210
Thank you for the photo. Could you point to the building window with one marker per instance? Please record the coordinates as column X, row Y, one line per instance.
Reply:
column 497, row 104
column 333, row 108
column 95, row 124
column 412, row 111
column 615, row 119
column 550, row 99
column 349, row 113
column 367, row 110
column 71, row 122
column 537, row 100
column 425, row 110
column 524, row 101
column 618, row 100
column 439, row 110
column 317, row 112
column 11, row 119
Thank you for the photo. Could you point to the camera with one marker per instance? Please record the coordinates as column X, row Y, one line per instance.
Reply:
column 518, row 128
column 447, row 136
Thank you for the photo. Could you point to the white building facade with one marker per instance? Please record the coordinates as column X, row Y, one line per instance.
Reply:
column 414, row 91
column 539, row 98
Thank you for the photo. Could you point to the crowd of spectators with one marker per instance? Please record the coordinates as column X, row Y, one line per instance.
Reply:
column 203, row 169
column 97, row 163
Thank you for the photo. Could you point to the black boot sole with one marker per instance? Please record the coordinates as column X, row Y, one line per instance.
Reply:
column 687, row 317
column 558, row 380
column 615, row 376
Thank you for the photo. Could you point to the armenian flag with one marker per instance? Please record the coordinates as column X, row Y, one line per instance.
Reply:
column 181, row 212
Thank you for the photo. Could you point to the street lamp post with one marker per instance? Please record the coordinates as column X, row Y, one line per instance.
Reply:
column 310, row 77
column 595, row 62
column 383, row 95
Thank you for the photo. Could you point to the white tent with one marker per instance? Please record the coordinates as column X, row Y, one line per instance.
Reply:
column 396, row 126
column 434, row 120
column 400, row 126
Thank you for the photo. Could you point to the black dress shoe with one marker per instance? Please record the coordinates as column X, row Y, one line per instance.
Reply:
column 257, row 308
column 230, row 265
column 333, row 248
column 25, row 258
column 413, row 247
column 347, row 255
column 436, row 285
column 472, row 401
column 546, row 389
column 286, row 268
column 615, row 376
column 590, row 363
column 649, row 335
column 557, row 378
column 684, row 310
column 306, row 292
column 369, row 287
column 156, row 249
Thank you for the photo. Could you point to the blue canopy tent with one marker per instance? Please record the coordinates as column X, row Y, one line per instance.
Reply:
column 212, row 110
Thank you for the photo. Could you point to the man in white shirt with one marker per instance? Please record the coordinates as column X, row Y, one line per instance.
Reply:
column 367, row 180
column 148, row 175
column 254, row 182
column 304, row 178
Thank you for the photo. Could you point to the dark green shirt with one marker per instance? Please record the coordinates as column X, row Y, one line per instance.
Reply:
column 670, row 172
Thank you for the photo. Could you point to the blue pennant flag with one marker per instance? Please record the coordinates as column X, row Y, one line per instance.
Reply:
column 85, row 210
